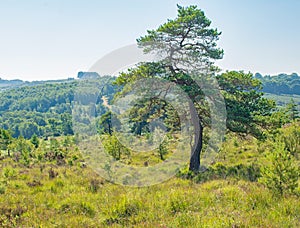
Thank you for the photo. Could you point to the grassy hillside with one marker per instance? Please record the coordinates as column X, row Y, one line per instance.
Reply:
column 45, row 108
column 55, row 187
column 204, row 147
column 47, row 182
column 77, row 197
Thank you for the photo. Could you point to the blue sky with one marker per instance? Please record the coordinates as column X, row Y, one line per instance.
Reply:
column 49, row 39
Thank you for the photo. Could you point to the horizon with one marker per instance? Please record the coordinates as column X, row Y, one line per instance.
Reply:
column 53, row 40
column 66, row 78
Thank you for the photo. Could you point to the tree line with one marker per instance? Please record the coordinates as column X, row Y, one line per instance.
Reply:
column 280, row 84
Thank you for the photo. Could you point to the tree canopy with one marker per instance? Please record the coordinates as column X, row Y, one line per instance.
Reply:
column 187, row 44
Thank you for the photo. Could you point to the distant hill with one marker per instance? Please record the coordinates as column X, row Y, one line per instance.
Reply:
column 280, row 84
column 44, row 108
column 16, row 83
column 4, row 84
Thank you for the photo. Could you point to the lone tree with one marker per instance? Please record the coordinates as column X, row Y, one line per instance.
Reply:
column 5, row 140
column 188, row 43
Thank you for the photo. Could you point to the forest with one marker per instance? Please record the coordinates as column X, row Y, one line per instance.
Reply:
column 280, row 84
column 49, row 174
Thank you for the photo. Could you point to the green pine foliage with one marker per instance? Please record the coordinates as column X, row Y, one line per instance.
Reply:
column 46, row 181
column 280, row 173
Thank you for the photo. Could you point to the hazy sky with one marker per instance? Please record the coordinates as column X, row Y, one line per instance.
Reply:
column 49, row 39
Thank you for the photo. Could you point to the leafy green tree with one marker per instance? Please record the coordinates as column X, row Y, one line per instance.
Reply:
column 189, row 34
column 22, row 146
column 144, row 111
column 54, row 125
column 276, row 120
column 292, row 111
column 280, row 172
column 279, row 117
column 45, row 108
column 113, row 147
column 5, row 140
column 280, row 84
column 67, row 128
column 188, row 42
column 163, row 150
column 35, row 141
column 105, row 124
column 28, row 129
column 247, row 109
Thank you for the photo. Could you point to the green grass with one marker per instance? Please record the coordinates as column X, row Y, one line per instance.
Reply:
column 78, row 197
column 51, row 193
column 239, row 150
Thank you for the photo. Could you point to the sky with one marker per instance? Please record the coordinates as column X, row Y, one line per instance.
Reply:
column 53, row 39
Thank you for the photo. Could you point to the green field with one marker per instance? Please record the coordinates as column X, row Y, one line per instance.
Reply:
column 170, row 142
column 63, row 191
column 284, row 99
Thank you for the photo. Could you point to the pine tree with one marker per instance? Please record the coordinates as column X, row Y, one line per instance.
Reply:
column 280, row 174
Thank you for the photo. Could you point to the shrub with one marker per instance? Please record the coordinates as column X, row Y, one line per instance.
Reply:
column 163, row 150
column 291, row 138
column 281, row 173
column 113, row 147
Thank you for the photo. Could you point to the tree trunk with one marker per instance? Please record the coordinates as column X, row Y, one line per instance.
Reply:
column 197, row 143
column 109, row 128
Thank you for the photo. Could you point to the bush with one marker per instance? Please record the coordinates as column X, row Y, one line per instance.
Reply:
column 281, row 173
column 163, row 150
column 113, row 147
column 291, row 138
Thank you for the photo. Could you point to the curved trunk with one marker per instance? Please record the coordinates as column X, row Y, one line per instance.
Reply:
column 109, row 128
column 197, row 141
